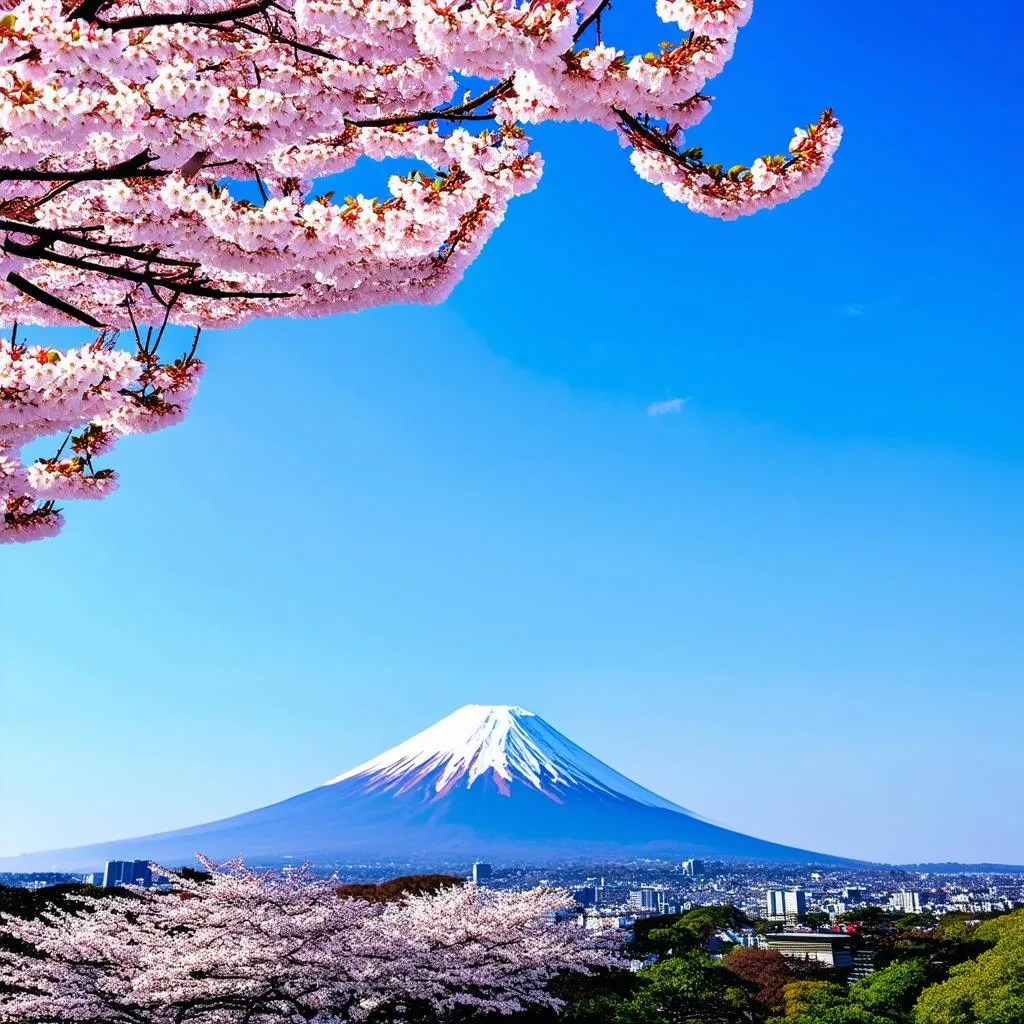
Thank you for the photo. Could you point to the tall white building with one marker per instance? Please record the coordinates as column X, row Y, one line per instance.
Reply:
column 785, row 904
column 908, row 902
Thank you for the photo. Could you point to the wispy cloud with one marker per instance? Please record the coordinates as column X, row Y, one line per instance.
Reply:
column 853, row 309
column 669, row 407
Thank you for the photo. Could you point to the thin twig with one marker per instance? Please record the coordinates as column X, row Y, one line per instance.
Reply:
column 595, row 15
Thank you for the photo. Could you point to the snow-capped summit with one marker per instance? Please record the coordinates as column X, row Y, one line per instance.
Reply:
column 503, row 743
column 487, row 782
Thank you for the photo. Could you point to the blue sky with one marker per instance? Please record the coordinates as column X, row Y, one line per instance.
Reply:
column 371, row 520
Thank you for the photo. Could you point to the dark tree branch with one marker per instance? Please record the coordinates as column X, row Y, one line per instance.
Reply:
column 185, row 17
column 37, row 293
column 276, row 37
column 135, row 252
column 88, row 9
column 656, row 139
column 135, row 167
column 459, row 112
column 176, row 284
column 260, row 185
column 53, row 193
column 595, row 15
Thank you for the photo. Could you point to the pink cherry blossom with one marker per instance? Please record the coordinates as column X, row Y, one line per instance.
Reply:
column 717, row 19
column 251, row 947
column 127, row 130
column 92, row 395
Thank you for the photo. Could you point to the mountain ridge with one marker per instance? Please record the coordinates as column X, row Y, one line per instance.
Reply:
column 509, row 742
column 490, row 782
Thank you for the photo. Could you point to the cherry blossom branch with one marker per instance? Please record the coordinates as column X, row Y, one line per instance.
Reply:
column 661, row 141
column 274, row 35
column 459, row 112
column 253, row 948
column 33, row 291
column 149, row 110
column 177, row 284
column 206, row 18
column 145, row 254
column 135, row 167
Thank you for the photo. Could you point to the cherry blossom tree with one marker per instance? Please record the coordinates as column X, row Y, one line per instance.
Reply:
column 129, row 129
column 247, row 947
column 102, row 392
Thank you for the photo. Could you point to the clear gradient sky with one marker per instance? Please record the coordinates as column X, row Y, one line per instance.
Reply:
column 795, row 605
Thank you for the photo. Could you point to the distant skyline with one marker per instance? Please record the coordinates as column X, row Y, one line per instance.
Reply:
column 790, row 602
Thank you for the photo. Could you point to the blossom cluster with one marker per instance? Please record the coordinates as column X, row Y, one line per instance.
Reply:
column 125, row 125
column 719, row 19
column 770, row 180
column 130, row 131
column 93, row 395
column 262, row 947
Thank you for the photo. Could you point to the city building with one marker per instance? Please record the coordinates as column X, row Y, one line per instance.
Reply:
column 852, row 894
column 908, row 902
column 785, row 904
column 613, row 895
column 481, row 872
column 585, row 897
column 692, row 867
column 127, row 872
column 646, row 899
column 834, row 949
column 93, row 878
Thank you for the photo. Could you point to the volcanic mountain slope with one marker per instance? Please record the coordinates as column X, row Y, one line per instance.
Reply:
column 494, row 783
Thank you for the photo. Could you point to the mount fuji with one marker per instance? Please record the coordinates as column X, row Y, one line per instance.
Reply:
column 487, row 782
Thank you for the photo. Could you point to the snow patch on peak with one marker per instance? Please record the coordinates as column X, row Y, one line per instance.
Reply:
column 508, row 744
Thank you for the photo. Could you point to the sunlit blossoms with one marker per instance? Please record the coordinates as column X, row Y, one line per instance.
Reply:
column 740, row 190
column 90, row 396
column 255, row 948
column 163, row 162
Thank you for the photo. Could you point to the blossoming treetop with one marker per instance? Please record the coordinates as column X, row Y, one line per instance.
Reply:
column 248, row 947
column 123, row 124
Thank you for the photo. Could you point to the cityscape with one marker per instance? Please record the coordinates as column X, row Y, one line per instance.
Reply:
column 614, row 896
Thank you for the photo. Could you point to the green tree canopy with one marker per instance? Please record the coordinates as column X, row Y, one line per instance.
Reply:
column 675, row 990
column 892, row 991
column 804, row 1000
column 914, row 922
column 690, row 931
column 885, row 997
column 987, row 990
